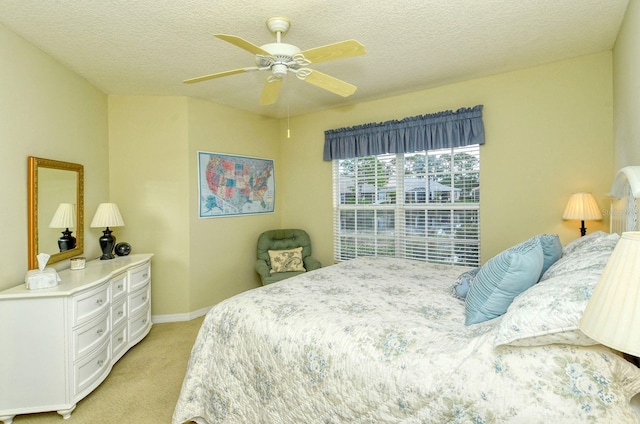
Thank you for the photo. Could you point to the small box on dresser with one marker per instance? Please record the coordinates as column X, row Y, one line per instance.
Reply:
column 59, row 344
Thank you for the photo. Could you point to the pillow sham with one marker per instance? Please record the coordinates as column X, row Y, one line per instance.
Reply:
column 583, row 243
column 501, row 279
column 461, row 287
column 549, row 312
column 286, row 260
column 589, row 256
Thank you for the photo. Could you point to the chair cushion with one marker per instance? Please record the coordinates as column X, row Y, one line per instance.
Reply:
column 289, row 260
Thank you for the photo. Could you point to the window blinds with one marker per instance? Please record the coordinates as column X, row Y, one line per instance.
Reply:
column 421, row 205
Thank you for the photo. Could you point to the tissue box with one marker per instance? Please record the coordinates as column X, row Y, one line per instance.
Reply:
column 41, row 279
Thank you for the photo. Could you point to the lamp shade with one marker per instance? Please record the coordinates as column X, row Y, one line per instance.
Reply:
column 583, row 207
column 107, row 215
column 612, row 315
column 65, row 216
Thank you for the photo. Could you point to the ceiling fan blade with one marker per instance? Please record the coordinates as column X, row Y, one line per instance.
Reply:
column 220, row 75
column 330, row 83
column 270, row 92
column 334, row 51
column 243, row 44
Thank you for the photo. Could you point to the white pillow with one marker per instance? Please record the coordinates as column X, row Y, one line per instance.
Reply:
column 591, row 254
column 549, row 312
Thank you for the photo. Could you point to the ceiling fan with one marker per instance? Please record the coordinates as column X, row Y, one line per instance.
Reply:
column 281, row 58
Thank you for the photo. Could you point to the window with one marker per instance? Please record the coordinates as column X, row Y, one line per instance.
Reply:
column 423, row 205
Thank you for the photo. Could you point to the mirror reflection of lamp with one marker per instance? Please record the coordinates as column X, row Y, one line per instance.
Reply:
column 65, row 217
column 107, row 215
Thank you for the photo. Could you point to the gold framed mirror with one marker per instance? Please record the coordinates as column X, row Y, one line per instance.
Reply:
column 50, row 184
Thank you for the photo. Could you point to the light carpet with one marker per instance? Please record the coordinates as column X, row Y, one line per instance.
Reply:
column 143, row 386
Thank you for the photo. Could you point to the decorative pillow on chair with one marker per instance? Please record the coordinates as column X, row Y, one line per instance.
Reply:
column 286, row 260
column 501, row 279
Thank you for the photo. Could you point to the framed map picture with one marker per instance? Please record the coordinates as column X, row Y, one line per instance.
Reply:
column 232, row 185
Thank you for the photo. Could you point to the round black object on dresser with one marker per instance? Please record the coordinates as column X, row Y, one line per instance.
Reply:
column 122, row 249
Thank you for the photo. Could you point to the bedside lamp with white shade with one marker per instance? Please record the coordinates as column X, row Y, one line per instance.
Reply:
column 107, row 215
column 65, row 217
column 611, row 315
column 582, row 207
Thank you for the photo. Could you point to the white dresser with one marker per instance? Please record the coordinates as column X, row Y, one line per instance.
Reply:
column 59, row 344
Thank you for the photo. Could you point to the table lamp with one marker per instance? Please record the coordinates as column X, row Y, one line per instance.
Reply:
column 611, row 315
column 107, row 216
column 582, row 207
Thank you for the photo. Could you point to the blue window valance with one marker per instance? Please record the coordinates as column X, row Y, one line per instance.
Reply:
column 426, row 132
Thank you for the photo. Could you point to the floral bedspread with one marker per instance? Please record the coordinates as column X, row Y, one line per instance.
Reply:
column 381, row 340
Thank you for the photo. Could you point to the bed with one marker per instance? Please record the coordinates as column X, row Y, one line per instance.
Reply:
column 384, row 340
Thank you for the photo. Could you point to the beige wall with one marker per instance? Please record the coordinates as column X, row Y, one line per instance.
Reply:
column 626, row 65
column 548, row 134
column 45, row 111
column 148, row 180
column 154, row 179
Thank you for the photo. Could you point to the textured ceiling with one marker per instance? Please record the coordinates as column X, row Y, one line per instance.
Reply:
column 147, row 47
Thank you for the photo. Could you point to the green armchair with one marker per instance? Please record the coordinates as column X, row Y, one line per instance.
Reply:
column 283, row 240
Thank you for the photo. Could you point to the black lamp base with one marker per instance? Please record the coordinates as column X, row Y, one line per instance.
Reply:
column 107, row 242
column 583, row 230
column 66, row 241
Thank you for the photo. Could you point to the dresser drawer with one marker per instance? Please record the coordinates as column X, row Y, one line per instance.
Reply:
column 91, row 304
column 118, row 287
column 88, row 372
column 139, row 276
column 90, row 335
column 139, row 325
column 118, row 342
column 119, row 313
column 139, row 300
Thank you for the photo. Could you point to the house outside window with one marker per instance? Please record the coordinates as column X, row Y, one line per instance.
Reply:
column 422, row 205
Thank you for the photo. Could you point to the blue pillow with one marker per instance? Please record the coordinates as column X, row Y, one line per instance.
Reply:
column 501, row 279
column 463, row 282
column 551, row 249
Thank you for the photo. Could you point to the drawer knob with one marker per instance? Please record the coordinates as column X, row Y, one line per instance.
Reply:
column 144, row 321
column 100, row 301
column 120, row 339
column 120, row 313
column 144, row 298
column 119, row 286
column 100, row 331
column 100, row 362
column 145, row 275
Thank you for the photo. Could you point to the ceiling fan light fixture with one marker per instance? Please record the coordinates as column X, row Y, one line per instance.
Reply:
column 279, row 70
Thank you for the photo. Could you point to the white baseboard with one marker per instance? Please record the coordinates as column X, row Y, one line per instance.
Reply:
column 157, row 319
